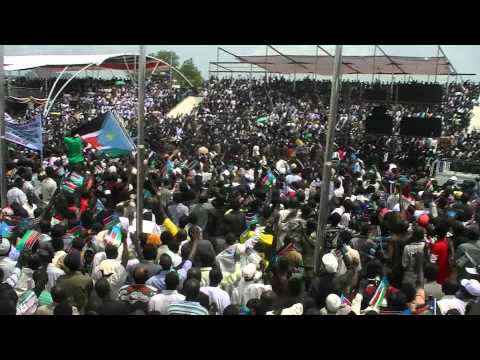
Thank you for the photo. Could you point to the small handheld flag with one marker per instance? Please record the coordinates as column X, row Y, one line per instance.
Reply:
column 28, row 240
column 110, row 221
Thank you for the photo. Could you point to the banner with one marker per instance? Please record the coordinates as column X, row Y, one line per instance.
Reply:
column 27, row 134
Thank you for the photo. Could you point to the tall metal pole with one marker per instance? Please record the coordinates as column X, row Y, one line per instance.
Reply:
column 218, row 59
column 325, row 189
column 3, row 152
column 436, row 65
column 374, row 59
column 171, row 64
column 140, row 138
column 316, row 70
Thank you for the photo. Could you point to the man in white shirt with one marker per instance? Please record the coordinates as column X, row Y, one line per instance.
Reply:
column 112, row 269
column 48, row 185
column 450, row 300
column 218, row 297
column 250, row 286
column 159, row 303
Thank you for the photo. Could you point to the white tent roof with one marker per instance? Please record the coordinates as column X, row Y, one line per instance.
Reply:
column 126, row 61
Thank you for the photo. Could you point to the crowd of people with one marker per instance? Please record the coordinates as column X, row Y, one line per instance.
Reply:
column 231, row 202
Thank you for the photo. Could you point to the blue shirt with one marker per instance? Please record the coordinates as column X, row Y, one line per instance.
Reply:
column 158, row 281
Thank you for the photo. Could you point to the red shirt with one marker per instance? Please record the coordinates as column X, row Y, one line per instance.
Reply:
column 440, row 257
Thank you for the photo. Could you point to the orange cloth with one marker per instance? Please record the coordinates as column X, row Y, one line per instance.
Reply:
column 154, row 239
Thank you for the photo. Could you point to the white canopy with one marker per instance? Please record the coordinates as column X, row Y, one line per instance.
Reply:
column 125, row 61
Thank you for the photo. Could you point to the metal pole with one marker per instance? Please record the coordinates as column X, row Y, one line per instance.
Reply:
column 140, row 138
column 3, row 152
column 325, row 187
column 436, row 65
column 218, row 59
column 316, row 69
column 171, row 64
column 374, row 58
column 295, row 78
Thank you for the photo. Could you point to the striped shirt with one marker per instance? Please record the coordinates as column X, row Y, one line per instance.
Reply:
column 186, row 308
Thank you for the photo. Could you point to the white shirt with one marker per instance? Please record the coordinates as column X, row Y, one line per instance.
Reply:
column 247, row 290
column 7, row 265
column 159, row 303
column 114, row 267
column 176, row 259
column 292, row 178
column 451, row 302
column 339, row 192
column 53, row 274
column 217, row 296
column 15, row 195
column 48, row 186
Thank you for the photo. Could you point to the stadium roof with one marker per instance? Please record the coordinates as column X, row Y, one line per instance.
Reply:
column 75, row 62
column 323, row 65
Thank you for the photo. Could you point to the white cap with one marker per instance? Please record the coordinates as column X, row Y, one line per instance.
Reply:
column 472, row 286
column 454, row 178
column 330, row 263
column 112, row 169
column 333, row 303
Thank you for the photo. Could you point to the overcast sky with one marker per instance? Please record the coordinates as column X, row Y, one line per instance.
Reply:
column 465, row 58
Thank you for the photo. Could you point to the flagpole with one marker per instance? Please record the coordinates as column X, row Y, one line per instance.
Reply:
column 325, row 186
column 3, row 183
column 140, row 139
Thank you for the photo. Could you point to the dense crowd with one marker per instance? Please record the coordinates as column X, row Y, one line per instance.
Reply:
column 231, row 200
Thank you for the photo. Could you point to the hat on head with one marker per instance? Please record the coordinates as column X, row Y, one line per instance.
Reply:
column 423, row 220
column 330, row 263
column 4, row 247
column 472, row 286
column 333, row 303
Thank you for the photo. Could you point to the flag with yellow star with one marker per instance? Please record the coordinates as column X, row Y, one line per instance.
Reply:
column 107, row 135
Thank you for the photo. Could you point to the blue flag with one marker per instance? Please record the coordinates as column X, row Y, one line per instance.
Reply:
column 113, row 139
column 107, row 135
column 27, row 134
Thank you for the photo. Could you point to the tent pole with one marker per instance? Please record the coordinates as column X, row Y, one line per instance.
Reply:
column 52, row 89
column 3, row 152
column 218, row 58
column 171, row 71
column 140, row 140
column 436, row 65
column 47, row 110
column 325, row 186
column 374, row 59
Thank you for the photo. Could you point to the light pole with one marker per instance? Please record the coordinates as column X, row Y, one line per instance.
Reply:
column 325, row 186
column 140, row 139
column 3, row 153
